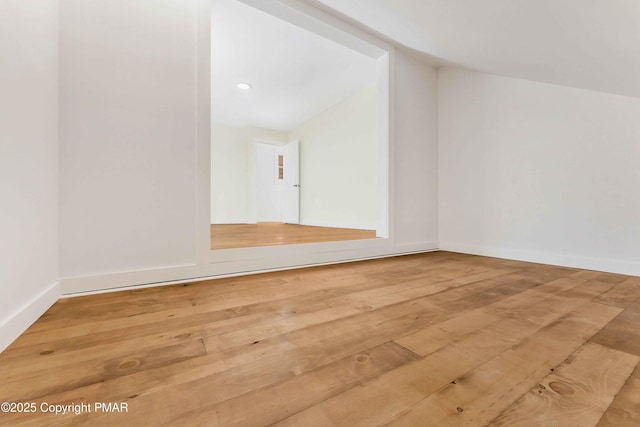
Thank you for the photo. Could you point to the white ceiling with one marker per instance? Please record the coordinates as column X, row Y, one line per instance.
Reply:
column 591, row 44
column 295, row 74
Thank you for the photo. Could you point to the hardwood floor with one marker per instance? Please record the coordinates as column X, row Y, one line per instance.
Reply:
column 437, row 339
column 226, row 236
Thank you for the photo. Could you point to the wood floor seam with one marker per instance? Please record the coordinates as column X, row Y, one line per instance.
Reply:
column 417, row 356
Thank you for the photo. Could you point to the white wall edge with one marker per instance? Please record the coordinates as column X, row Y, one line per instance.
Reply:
column 203, row 130
column 586, row 263
column 22, row 318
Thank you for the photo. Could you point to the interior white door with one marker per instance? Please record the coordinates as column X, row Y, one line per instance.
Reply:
column 291, row 214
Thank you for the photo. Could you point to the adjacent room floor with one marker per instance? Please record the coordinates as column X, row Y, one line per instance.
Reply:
column 227, row 236
column 433, row 339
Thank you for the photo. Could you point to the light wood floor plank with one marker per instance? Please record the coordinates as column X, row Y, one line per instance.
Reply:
column 397, row 392
column 270, row 404
column 577, row 393
column 396, row 340
column 623, row 294
column 535, row 308
column 625, row 408
column 227, row 236
column 481, row 394
column 623, row 333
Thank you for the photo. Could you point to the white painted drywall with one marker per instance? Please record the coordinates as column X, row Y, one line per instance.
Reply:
column 127, row 135
column 269, row 192
column 129, row 167
column 591, row 44
column 539, row 172
column 232, row 179
column 415, row 158
column 338, row 164
column 28, row 163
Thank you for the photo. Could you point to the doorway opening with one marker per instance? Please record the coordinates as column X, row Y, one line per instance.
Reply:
column 299, row 145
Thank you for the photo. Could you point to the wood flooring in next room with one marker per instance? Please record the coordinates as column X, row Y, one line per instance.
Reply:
column 435, row 339
column 227, row 236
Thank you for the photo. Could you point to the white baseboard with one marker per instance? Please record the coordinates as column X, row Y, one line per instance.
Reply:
column 587, row 263
column 237, row 274
column 356, row 226
column 19, row 321
column 279, row 258
column 353, row 225
column 225, row 221
column 426, row 246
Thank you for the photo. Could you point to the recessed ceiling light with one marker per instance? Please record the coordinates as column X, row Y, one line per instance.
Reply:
column 243, row 86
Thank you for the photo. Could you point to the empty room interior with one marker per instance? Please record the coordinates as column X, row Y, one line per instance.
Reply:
column 293, row 137
column 320, row 213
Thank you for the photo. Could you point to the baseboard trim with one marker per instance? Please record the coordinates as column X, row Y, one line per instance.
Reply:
column 426, row 246
column 586, row 263
column 72, row 287
column 242, row 273
column 353, row 226
column 229, row 221
column 20, row 320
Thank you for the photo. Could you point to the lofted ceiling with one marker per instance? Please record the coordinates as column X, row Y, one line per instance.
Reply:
column 295, row 74
column 590, row 44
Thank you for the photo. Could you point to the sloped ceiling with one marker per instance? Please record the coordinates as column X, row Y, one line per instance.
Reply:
column 295, row 74
column 590, row 44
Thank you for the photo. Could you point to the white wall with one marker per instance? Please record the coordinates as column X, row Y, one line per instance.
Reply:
column 539, row 172
column 28, row 163
column 415, row 158
column 232, row 171
column 131, row 162
column 338, row 164
column 127, row 135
